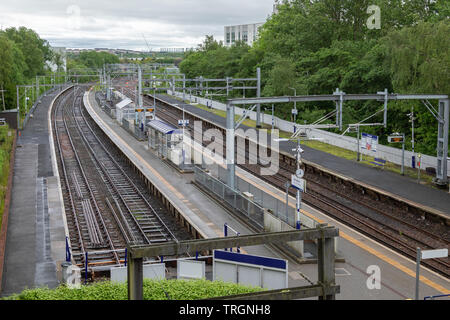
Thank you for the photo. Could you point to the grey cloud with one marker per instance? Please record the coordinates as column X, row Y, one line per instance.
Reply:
column 175, row 19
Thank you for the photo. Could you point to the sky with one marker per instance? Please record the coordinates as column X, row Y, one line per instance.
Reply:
column 130, row 24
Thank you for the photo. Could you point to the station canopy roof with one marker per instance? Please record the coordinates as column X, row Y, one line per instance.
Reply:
column 123, row 103
column 162, row 127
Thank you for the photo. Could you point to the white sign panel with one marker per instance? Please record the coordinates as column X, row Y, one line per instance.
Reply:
column 298, row 183
column 432, row 254
column 189, row 269
column 369, row 142
column 183, row 122
column 251, row 270
column 150, row 271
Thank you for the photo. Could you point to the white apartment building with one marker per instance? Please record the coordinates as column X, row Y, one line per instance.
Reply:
column 247, row 33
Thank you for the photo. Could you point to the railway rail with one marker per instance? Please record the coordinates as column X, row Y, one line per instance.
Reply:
column 106, row 206
column 398, row 228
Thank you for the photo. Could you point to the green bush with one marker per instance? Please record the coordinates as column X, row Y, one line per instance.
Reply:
column 6, row 142
column 153, row 290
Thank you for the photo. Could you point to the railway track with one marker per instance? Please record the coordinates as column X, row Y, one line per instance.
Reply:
column 105, row 208
column 394, row 228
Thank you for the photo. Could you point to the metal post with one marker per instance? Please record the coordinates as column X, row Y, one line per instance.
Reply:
column 140, row 87
column 299, row 194
column 357, row 142
column 258, row 95
column 86, row 268
column 411, row 119
column 108, row 89
column 230, row 146
column 325, row 263
column 135, row 277
column 25, row 102
column 420, row 164
column 442, row 143
column 68, row 256
column 403, row 155
column 417, row 273
column 238, row 249
column 287, row 185
column 184, row 88
column 225, row 232
column 273, row 120
column 18, row 107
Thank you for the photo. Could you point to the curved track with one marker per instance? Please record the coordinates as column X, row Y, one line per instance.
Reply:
column 105, row 208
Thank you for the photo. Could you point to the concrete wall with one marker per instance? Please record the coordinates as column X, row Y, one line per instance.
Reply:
column 390, row 154
column 273, row 224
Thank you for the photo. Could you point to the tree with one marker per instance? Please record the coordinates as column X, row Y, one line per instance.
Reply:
column 12, row 68
column 35, row 50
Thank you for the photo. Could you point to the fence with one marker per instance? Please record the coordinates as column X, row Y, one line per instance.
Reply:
column 237, row 201
column 277, row 207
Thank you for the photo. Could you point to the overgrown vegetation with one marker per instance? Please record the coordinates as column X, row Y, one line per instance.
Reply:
column 6, row 142
column 318, row 46
column 153, row 290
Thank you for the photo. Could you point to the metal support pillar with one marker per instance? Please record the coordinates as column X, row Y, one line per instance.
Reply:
column 18, row 107
column 135, row 277
column 184, row 90
column 325, row 256
column 230, row 146
column 419, row 255
column 108, row 88
column 339, row 106
column 403, row 156
column 37, row 87
column 140, row 87
column 358, row 157
column 442, row 143
column 258, row 95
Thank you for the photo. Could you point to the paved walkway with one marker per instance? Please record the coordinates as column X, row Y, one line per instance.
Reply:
column 35, row 231
column 396, row 184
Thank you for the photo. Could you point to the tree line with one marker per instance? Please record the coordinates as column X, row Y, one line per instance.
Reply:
column 23, row 56
column 318, row 46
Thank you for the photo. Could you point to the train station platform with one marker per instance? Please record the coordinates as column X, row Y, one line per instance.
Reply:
column 35, row 238
column 358, row 251
column 398, row 186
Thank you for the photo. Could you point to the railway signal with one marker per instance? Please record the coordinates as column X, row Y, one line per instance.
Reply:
column 399, row 138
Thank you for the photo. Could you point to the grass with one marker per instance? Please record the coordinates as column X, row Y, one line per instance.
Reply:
column 6, row 142
column 336, row 151
column 153, row 290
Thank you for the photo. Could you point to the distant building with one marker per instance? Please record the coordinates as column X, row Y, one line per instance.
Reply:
column 247, row 33
column 172, row 50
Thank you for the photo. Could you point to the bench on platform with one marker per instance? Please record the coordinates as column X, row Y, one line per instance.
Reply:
column 378, row 162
